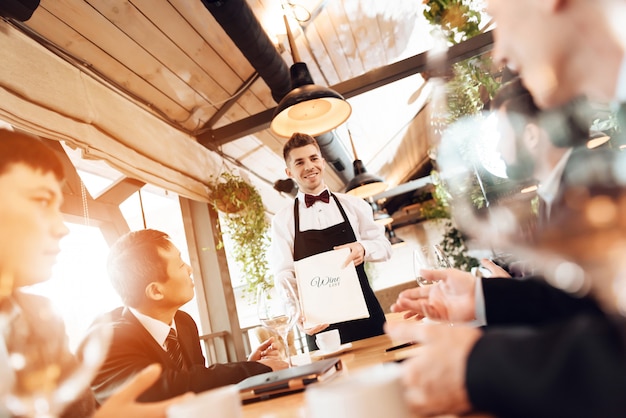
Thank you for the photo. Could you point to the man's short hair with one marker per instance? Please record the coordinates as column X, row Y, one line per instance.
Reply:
column 134, row 262
column 298, row 140
column 567, row 126
column 19, row 148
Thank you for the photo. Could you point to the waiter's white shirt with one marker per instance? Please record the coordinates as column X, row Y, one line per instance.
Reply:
column 321, row 216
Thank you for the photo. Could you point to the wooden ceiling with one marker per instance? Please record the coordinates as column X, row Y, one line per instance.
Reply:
column 174, row 59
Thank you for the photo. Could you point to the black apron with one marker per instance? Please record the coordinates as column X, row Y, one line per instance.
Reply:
column 316, row 241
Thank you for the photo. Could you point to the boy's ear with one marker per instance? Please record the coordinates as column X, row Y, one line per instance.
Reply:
column 154, row 291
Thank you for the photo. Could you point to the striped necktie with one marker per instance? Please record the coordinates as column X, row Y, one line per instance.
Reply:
column 174, row 350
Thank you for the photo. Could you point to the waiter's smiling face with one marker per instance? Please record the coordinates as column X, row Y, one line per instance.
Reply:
column 306, row 166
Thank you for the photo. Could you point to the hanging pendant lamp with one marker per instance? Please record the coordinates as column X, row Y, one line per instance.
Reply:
column 363, row 184
column 307, row 108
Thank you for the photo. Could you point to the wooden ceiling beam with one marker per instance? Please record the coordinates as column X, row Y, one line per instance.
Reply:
column 358, row 85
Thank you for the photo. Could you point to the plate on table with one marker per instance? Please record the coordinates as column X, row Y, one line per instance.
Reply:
column 322, row 354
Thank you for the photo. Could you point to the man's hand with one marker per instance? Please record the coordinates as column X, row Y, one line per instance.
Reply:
column 434, row 378
column 124, row 403
column 494, row 269
column 412, row 302
column 357, row 253
column 266, row 350
column 450, row 298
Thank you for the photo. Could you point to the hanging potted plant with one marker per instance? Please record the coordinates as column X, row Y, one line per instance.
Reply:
column 243, row 220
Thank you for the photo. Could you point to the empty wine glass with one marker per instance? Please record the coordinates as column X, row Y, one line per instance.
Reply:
column 428, row 257
column 278, row 308
column 44, row 377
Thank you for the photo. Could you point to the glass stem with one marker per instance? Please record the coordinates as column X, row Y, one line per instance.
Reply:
column 287, row 350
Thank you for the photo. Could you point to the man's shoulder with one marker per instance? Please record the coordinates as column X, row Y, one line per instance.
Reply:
column 183, row 316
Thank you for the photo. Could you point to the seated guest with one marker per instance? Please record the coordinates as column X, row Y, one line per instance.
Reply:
column 147, row 271
column 31, row 227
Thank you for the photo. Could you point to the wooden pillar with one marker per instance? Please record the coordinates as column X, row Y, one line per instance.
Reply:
column 214, row 292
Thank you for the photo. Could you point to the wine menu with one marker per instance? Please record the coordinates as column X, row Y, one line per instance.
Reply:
column 329, row 293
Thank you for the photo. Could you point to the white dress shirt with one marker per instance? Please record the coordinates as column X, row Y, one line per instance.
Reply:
column 158, row 329
column 321, row 216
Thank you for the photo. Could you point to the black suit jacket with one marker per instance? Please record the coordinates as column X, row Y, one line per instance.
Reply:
column 558, row 356
column 133, row 348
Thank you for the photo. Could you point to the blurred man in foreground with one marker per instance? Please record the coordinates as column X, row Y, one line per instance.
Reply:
column 31, row 226
column 551, row 44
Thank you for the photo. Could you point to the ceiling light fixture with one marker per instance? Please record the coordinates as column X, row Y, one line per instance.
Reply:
column 363, row 184
column 307, row 108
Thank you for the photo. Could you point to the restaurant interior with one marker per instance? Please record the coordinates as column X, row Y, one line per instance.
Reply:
column 152, row 104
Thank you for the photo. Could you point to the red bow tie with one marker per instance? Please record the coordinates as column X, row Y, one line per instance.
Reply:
column 309, row 199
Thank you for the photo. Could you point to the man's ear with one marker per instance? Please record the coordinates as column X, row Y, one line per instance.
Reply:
column 154, row 291
column 532, row 135
column 288, row 172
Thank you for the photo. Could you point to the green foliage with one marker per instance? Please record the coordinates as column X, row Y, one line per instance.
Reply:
column 453, row 245
column 243, row 220
column 473, row 84
column 457, row 18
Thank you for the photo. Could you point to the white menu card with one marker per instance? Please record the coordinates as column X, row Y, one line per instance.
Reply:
column 329, row 293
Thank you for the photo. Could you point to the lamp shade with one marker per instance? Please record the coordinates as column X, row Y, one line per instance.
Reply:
column 364, row 184
column 308, row 108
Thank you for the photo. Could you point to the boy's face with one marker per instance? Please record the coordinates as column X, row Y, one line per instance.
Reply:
column 31, row 226
column 306, row 166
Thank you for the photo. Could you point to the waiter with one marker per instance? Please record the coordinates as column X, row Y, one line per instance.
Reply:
column 319, row 221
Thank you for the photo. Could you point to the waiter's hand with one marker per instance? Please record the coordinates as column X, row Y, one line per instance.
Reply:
column 313, row 330
column 357, row 253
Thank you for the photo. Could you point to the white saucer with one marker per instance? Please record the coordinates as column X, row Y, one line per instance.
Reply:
column 341, row 349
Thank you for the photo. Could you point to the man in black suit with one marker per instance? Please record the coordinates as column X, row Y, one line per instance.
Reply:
column 575, row 367
column 153, row 281
column 545, row 311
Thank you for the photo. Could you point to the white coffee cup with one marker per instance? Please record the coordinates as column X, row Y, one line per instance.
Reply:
column 328, row 340
column 224, row 399
column 373, row 392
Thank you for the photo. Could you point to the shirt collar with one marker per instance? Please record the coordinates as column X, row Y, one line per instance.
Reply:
column 159, row 330
column 549, row 189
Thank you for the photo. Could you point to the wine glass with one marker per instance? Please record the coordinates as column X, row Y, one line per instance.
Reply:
column 278, row 308
column 429, row 257
column 44, row 377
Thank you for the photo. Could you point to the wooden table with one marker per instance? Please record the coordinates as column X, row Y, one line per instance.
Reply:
column 364, row 353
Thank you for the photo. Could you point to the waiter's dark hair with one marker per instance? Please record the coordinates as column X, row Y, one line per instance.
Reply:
column 298, row 140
